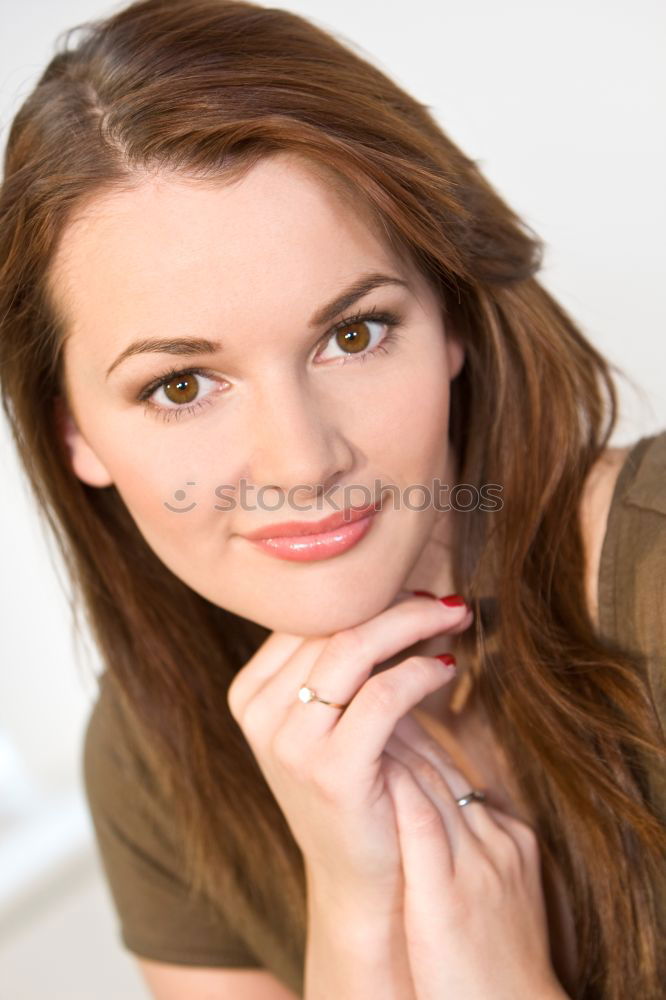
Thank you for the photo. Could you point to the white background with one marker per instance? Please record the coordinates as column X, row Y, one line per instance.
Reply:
column 561, row 103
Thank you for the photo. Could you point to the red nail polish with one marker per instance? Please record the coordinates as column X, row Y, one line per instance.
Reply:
column 448, row 659
column 423, row 593
column 453, row 601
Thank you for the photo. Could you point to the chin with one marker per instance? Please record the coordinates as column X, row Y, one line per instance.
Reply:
column 322, row 620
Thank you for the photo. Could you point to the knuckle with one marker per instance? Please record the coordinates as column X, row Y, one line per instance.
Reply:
column 507, row 849
column 380, row 690
column 529, row 839
column 415, row 663
column 426, row 772
column 253, row 722
column 424, row 819
column 233, row 700
column 411, row 675
column 418, row 668
column 239, row 690
column 345, row 644
column 396, row 772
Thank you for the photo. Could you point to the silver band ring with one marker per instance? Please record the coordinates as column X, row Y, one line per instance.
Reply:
column 307, row 694
column 472, row 796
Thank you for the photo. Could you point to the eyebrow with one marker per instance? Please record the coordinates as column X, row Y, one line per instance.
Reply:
column 190, row 347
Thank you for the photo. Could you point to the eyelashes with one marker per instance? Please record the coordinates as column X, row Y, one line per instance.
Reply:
column 175, row 412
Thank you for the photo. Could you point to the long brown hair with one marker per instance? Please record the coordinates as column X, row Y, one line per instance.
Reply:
column 207, row 88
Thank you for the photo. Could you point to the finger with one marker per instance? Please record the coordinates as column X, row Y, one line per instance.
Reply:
column 437, row 789
column 426, row 847
column 273, row 700
column 422, row 731
column 368, row 722
column 269, row 659
column 350, row 655
column 342, row 664
column 433, row 740
column 525, row 837
column 348, row 658
column 273, row 654
column 443, row 783
column 266, row 661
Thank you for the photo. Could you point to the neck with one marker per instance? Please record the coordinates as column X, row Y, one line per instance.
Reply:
column 433, row 570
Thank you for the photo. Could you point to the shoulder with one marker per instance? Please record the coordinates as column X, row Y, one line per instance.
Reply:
column 631, row 572
column 112, row 753
column 595, row 506
column 623, row 519
column 125, row 799
column 139, row 844
column 632, row 567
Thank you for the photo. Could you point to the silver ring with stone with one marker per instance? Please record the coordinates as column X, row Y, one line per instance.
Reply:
column 472, row 796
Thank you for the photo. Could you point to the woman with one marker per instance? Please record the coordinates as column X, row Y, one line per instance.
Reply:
column 308, row 775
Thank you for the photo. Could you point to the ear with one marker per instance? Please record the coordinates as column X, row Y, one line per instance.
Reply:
column 83, row 460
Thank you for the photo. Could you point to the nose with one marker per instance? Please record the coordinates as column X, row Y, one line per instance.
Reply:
column 295, row 441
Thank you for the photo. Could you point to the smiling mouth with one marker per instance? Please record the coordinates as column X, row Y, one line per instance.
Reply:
column 303, row 529
column 319, row 545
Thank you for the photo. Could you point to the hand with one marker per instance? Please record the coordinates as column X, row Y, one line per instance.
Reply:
column 474, row 911
column 326, row 767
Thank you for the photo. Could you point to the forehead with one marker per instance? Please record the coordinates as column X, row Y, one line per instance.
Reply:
column 274, row 235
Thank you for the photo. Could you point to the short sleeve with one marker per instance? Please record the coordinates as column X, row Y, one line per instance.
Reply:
column 157, row 917
column 632, row 580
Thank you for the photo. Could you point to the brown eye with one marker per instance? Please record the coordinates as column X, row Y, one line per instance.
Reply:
column 360, row 337
column 354, row 337
column 182, row 389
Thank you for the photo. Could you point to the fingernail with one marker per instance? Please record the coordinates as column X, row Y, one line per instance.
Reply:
column 448, row 659
column 423, row 593
column 453, row 601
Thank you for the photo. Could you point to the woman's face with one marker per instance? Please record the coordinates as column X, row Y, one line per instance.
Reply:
column 323, row 416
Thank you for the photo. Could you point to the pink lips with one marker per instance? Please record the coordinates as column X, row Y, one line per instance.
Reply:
column 301, row 541
column 336, row 520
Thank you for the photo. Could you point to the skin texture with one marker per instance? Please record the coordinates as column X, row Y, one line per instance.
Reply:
column 249, row 263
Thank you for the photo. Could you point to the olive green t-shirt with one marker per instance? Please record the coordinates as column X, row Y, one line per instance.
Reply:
column 133, row 827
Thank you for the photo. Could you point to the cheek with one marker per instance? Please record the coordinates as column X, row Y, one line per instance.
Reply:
column 408, row 422
column 167, row 482
column 158, row 466
column 176, row 518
